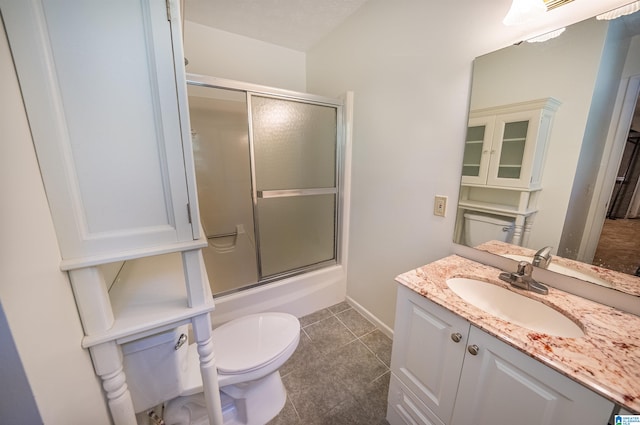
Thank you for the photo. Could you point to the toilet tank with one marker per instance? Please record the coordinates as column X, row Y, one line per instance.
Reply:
column 481, row 228
column 155, row 367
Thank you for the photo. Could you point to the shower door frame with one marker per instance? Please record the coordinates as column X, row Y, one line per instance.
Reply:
column 264, row 91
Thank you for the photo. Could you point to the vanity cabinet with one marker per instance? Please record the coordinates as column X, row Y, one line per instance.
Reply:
column 104, row 89
column 446, row 371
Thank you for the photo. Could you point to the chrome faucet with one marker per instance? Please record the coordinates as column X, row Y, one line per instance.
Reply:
column 522, row 279
column 543, row 257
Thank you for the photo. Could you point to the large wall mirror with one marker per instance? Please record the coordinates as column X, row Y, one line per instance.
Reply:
column 552, row 155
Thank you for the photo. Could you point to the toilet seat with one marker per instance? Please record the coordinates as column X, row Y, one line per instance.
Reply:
column 269, row 340
column 252, row 342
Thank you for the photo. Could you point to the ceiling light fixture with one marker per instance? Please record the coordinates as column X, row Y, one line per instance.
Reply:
column 523, row 11
column 621, row 11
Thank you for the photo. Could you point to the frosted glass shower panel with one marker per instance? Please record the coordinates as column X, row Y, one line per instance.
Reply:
column 294, row 144
column 220, row 141
column 296, row 232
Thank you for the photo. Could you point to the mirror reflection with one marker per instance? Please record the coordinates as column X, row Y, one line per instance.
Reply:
column 551, row 152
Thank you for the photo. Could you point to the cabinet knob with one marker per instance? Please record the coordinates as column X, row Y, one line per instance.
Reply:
column 473, row 349
column 456, row 337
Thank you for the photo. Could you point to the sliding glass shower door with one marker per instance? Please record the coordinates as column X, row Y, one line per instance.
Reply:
column 295, row 180
column 267, row 171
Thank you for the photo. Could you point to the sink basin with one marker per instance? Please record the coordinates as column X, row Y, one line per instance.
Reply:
column 567, row 271
column 514, row 308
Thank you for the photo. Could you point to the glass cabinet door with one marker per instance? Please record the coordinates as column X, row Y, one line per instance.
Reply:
column 477, row 151
column 512, row 150
column 514, row 139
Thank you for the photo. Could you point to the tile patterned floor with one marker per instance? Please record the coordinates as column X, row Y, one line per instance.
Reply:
column 339, row 373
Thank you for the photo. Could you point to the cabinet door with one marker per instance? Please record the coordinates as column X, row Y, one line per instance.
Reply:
column 100, row 90
column 425, row 356
column 477, row 147
column 513, row 148
column 501, row 385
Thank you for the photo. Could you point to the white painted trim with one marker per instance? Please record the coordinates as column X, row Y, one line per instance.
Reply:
column 371, row 317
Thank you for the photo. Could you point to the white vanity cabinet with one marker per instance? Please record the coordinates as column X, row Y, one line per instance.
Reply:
column 445, row 371
column 104, row 89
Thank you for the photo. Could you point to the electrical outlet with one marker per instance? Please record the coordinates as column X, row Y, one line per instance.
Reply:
column 440, row 206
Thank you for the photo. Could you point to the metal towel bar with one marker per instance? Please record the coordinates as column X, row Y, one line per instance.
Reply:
column 222, row 235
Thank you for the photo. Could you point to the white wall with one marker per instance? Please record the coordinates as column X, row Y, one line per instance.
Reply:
column 35, row 294
column 222, row 54
column 411, row 82
column 409, row 64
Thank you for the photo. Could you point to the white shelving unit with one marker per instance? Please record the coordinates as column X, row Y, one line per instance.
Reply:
column 503, row 162
column 105, row 92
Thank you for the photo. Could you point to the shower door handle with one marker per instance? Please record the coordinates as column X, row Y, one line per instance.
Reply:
column 265, row 194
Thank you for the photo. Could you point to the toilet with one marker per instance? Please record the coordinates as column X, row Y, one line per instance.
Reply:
column 480, row 228
column 249, row 351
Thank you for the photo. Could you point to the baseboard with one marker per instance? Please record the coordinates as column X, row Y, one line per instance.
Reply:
column 371, row 317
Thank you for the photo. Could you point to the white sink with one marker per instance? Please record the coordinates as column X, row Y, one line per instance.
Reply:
column 514, row 308
column 555, row 267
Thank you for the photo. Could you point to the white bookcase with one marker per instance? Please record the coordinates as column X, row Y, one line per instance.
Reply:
column 504, row 157
column 105, row 92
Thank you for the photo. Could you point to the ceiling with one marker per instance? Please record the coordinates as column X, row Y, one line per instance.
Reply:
column 295, row 24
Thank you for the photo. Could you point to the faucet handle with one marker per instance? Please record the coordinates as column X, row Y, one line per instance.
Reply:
column 525, row 268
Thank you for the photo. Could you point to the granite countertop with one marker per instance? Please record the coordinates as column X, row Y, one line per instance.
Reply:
column 606, row 359
column 615, row 280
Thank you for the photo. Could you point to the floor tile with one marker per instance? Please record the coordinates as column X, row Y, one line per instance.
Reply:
column 333, row 377
column 314, row 393
column 380, row 344
column 373, row 397
column 305, row 354
column 329, row 334
column 287, row 416
column 315, row 317
column 337, row 308
column 355, row 322
column 349, row 412
column 355, row 365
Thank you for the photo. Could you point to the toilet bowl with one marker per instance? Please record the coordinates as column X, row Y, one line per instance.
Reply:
column 249, row 351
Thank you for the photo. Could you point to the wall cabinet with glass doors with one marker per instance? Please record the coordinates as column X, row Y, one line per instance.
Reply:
column 505, row 146
column 503, row 161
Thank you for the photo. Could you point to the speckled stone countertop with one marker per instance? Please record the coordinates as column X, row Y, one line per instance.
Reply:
column 616, row 280
column 606, row 359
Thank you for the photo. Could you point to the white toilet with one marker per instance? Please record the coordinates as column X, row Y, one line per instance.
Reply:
column 481, row 228
column 249, row 351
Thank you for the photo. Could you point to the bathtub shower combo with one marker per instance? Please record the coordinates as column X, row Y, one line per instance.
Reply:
column 268, row 173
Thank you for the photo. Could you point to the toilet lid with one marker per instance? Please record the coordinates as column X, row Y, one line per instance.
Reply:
column 252, row 341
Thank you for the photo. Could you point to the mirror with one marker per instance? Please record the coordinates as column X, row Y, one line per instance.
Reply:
column 542, row 119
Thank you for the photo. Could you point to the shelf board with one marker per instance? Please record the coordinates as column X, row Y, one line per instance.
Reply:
column 510, row 210
column 513, row 188
column 149, row 293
